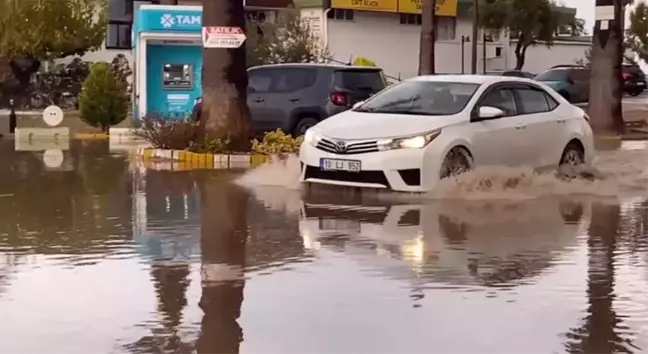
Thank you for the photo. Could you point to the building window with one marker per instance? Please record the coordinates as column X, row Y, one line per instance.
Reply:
column 340, row 14
column 120, row 22
column 445, row 27
column 410, row 19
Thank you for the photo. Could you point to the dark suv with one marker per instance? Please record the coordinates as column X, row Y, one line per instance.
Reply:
column 634, row 80
column 570, row 81
column 294, row 97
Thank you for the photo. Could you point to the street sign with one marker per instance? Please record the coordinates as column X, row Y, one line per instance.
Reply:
column 223, row 37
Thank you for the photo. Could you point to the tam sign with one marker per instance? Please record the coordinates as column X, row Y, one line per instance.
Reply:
column 223, row 37
column 170, row 21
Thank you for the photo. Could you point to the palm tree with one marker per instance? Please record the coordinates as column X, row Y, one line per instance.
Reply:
column 223, row 242
column 598, row 333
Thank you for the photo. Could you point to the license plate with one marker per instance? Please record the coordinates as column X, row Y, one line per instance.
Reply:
column 340, row 165
column 641, row 84
column 339, row 225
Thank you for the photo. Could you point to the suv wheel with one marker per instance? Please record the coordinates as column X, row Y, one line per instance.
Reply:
column 635, row 92
column 303, row 125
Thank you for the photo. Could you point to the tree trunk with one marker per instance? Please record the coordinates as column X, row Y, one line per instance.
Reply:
column 225, row 112
column 606, row 84
column 23, row 69
column 223, row 241
column 428, row 39
column 520, row 52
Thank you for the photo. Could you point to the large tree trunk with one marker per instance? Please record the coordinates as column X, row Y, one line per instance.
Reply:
column 225, row 112
column 520, row 53
column 428, row 39
column 223, row 240
column 606, row 84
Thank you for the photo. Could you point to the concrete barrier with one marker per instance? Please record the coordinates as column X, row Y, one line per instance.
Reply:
column 181, row 160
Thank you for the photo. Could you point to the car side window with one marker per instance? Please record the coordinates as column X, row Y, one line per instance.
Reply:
column 502, row 99
column 531, row 101
column 293, row 79
column 259, row 81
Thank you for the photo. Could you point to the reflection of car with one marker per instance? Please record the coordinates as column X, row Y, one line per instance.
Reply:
column 294, row 97
column 423, row 129
column 513, row 73
column 470, row 243
column 634, row 79
column 570, row 81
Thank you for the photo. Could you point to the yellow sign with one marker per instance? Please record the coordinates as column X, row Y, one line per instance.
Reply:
column 443, row 7
column 361, row 61
column 367, row 5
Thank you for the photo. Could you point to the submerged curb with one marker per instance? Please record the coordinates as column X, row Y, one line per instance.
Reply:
column 180, row 160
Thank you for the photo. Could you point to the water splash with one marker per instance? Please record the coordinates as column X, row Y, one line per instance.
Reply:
column 621, row 172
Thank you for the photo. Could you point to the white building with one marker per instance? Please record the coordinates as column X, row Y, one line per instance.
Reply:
column 386, row 36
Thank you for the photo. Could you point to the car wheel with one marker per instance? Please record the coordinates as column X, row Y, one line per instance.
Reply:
column 456, row 162
column 573, row 156
column 635, row 92
column 303, row 125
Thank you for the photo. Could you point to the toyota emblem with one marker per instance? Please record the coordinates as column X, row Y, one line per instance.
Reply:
column 341, row 146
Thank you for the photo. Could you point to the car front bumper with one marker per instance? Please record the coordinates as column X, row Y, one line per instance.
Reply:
column 403, row 170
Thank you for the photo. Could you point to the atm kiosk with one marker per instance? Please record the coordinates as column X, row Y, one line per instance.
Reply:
column 167, row 47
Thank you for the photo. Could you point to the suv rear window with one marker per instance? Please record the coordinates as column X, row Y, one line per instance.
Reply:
column 360, row 80
column 553, row 75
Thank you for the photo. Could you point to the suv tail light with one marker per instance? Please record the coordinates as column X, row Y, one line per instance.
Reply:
column 626, row 76
column 339, row 98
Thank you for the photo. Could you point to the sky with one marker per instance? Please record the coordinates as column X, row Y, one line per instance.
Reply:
column 585, row 10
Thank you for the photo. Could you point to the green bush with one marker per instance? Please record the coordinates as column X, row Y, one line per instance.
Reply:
column 277, row 143
column 104, row 99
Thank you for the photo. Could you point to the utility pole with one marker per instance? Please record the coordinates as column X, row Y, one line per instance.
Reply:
column 428, row 38
column 475, row 36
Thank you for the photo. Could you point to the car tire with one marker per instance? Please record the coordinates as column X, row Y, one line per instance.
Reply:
column 303, row 125
column 573, row 156
column 456, row 162
column 635, row 92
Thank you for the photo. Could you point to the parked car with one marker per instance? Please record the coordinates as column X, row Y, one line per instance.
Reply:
column 417, row 132
column 294, row 97
column 634, row 79
column 514, row 73
column 570, row 81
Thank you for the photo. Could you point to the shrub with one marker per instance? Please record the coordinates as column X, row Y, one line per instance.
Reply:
column 167, row 133
column 277, row 143
column 104, row 100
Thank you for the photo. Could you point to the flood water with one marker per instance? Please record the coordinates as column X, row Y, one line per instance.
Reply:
column 100, row 255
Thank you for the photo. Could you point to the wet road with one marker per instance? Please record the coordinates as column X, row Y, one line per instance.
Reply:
column 99, row 255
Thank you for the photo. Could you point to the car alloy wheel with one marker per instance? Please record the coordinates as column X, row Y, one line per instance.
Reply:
column 572, row 156
column 455, row 163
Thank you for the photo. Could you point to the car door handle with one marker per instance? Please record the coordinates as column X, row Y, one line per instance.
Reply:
column 561, row 121
column 519, row 127
column 293, row 99
column 259, row 99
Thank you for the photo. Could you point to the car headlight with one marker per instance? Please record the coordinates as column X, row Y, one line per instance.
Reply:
column 311, row 137
column 410, row 142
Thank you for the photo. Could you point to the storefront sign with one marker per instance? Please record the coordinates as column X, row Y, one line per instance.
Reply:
column 444, row 7
column 366, row 5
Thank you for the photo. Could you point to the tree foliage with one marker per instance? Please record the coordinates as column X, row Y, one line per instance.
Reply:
column 288, row 40
column 528, row 21
column 637, row 34
column 104, row 100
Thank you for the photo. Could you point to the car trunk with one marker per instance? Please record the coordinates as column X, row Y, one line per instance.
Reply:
column 358, row 84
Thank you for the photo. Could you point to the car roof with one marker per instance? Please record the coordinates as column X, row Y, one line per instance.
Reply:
column 316, row 65
column 471, row 79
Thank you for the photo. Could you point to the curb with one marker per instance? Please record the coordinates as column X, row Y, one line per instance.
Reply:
column 180, row 160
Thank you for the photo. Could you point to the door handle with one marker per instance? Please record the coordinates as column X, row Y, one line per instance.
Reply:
column 259, row 99
column 519, row 127
column 561, row 121
column 293, row 99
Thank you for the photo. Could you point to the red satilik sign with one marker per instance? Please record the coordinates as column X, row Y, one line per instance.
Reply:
column 223, row 37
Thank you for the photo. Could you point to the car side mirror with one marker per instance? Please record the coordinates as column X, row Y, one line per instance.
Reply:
column 357, row 104
column 487, row 113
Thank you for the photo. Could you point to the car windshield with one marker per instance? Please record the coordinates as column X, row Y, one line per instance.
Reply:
column 553, row 75
column 421, row 98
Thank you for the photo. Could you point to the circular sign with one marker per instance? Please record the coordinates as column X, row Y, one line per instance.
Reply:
column 53, row 158
column 53, row 115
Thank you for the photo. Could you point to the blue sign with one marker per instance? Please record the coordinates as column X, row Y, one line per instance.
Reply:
column 151, row 20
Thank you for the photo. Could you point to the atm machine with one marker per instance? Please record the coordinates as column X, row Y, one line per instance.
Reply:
column 167, row 47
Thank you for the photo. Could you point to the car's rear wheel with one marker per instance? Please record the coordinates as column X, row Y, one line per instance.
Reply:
column 303, row 125
column 456, row 162
column 635, row 92
column 573, row 156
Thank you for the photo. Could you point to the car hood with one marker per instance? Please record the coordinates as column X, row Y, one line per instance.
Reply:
column 361, row 125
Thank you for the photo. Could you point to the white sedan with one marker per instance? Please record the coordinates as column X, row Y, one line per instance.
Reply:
column 412, row 134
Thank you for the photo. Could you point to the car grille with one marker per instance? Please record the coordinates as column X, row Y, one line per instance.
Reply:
column 351, row 148
column 374, row 177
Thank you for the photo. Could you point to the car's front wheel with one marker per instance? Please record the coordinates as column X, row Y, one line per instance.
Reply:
column 456, row 162
column 303, row 125
column 635, row 92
